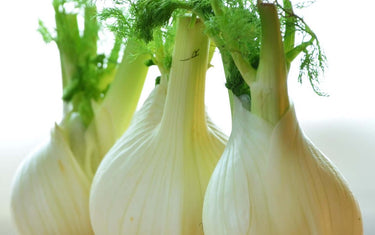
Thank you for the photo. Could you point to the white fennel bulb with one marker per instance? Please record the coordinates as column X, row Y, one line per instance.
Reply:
column 272, row 180
column 50, row 191
column 154, row 179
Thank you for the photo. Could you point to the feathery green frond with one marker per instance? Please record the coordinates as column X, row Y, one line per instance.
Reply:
column 116, row 21
column 46, row 34
column 153, row 14
column 313, row 60
column 235, row 28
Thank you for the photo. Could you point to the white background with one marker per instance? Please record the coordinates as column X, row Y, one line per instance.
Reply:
column 342, row 125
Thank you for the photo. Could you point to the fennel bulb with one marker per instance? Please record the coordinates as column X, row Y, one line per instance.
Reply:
column 154, row 178
column 53, row 183
column 50, row 190
column 272, row 180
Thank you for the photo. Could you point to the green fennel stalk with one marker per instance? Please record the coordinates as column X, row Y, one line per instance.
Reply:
column 100, row 95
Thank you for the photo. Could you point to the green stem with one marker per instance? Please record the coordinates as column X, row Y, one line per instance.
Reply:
column 269, row 94
column 290, row 26
column 217, row 6
column 112, row 64
column 290, row 29
column 293, row 53
column 90, row 33
column 114, row 114
column 160, row 49
column 211, row 52
column 67, row 44
column 184, row 107
column 122, row 97
column 247, row 71
column 66, row 40
column 67, row 70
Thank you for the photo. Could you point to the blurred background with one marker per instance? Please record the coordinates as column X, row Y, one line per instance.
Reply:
column 341, row 125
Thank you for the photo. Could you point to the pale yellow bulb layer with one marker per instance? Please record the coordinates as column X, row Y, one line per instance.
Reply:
column 271, row 180
column 50, row 191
